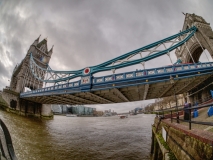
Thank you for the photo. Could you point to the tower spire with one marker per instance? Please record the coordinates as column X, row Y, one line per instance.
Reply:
column 51, row 51
column 36, row 41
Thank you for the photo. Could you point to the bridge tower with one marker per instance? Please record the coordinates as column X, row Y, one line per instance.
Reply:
column 191, row 51
column 22, row 76
column 202, row 40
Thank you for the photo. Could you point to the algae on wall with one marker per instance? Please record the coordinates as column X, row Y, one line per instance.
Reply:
column 2, row 102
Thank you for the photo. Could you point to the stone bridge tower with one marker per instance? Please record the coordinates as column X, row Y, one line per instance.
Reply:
column 191, row 51
column 203, row 39
column 22, row 76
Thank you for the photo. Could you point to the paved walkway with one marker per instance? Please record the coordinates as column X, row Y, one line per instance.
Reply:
column 203, row 117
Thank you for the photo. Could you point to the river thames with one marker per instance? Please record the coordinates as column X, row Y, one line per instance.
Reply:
column 80, row 138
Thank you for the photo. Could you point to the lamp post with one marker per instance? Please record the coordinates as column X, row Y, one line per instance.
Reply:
column 172, row 82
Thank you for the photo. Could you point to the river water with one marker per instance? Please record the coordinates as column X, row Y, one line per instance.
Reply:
column 80, row 138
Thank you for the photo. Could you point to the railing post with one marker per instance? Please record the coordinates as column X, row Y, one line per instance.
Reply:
column 212, row 150
column 190, row 124
column 178, row 117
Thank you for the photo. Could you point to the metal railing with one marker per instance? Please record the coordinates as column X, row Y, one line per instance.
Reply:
column 9, row 144
column 185, row 109
column 193, row 103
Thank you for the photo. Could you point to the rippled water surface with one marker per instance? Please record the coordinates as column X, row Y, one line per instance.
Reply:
column 80, row 138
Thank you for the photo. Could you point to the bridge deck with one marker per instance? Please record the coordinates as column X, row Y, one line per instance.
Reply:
column 125, row 87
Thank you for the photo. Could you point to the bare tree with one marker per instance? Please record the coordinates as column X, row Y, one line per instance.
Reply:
column 169, row 100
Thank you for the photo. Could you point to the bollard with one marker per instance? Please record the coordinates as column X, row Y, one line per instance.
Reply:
column 190, row 124
column 178, row 117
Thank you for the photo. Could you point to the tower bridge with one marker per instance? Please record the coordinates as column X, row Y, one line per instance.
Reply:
column 188, row 74
column 125, row 87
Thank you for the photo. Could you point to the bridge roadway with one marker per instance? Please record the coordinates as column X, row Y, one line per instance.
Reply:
column 125, row 87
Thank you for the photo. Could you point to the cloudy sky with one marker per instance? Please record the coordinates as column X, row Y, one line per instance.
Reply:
column 89, row 32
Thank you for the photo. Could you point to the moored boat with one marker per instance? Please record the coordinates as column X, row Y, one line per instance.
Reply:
column 123, row 116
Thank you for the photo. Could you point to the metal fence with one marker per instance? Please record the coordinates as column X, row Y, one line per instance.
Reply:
column 174, row 113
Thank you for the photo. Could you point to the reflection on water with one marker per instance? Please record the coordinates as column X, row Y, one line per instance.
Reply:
column 80, row 138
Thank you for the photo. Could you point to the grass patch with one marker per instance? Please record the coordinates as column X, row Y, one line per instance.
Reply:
column 171, row 154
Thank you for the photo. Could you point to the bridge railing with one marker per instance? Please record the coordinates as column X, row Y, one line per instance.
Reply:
column 174, row 114
column 125, row 76
column 148, row 72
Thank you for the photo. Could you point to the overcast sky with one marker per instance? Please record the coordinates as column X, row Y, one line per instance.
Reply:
column 89, row 32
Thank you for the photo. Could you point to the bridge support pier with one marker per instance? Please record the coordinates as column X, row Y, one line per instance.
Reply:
column 12, row 99
column 46, row 111
column 25, row 107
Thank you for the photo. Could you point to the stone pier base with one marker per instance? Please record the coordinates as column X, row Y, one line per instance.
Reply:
column 46, row 111
column 12, row 103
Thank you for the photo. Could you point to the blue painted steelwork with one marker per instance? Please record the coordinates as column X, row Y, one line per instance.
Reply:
column 178, row 62
column 211, row 93
column 65, row 76
column 120, row 80
column 210, row 110
column 195, row 112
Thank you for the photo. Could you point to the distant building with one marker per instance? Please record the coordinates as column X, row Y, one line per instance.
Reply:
column 63, row 109
column 98, row 113
column 81, row 110
column 56, row 109
column 114, row 113
column 109, row 113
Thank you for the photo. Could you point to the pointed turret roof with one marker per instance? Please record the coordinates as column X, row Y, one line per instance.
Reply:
column 38, row 38
column 51, row 48
column 36, row 41
column 51, row 51
column 43, row 43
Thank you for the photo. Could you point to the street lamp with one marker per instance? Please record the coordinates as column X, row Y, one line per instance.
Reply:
column 172, row 82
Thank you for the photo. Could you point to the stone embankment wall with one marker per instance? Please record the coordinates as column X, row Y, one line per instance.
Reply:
column 179, row 142
column 3, row 103
column 24, row 107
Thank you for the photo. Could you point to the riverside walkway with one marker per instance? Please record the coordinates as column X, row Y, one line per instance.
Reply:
column 179, row 141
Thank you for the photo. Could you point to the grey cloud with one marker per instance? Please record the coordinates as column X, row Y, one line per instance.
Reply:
column 3, row 70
